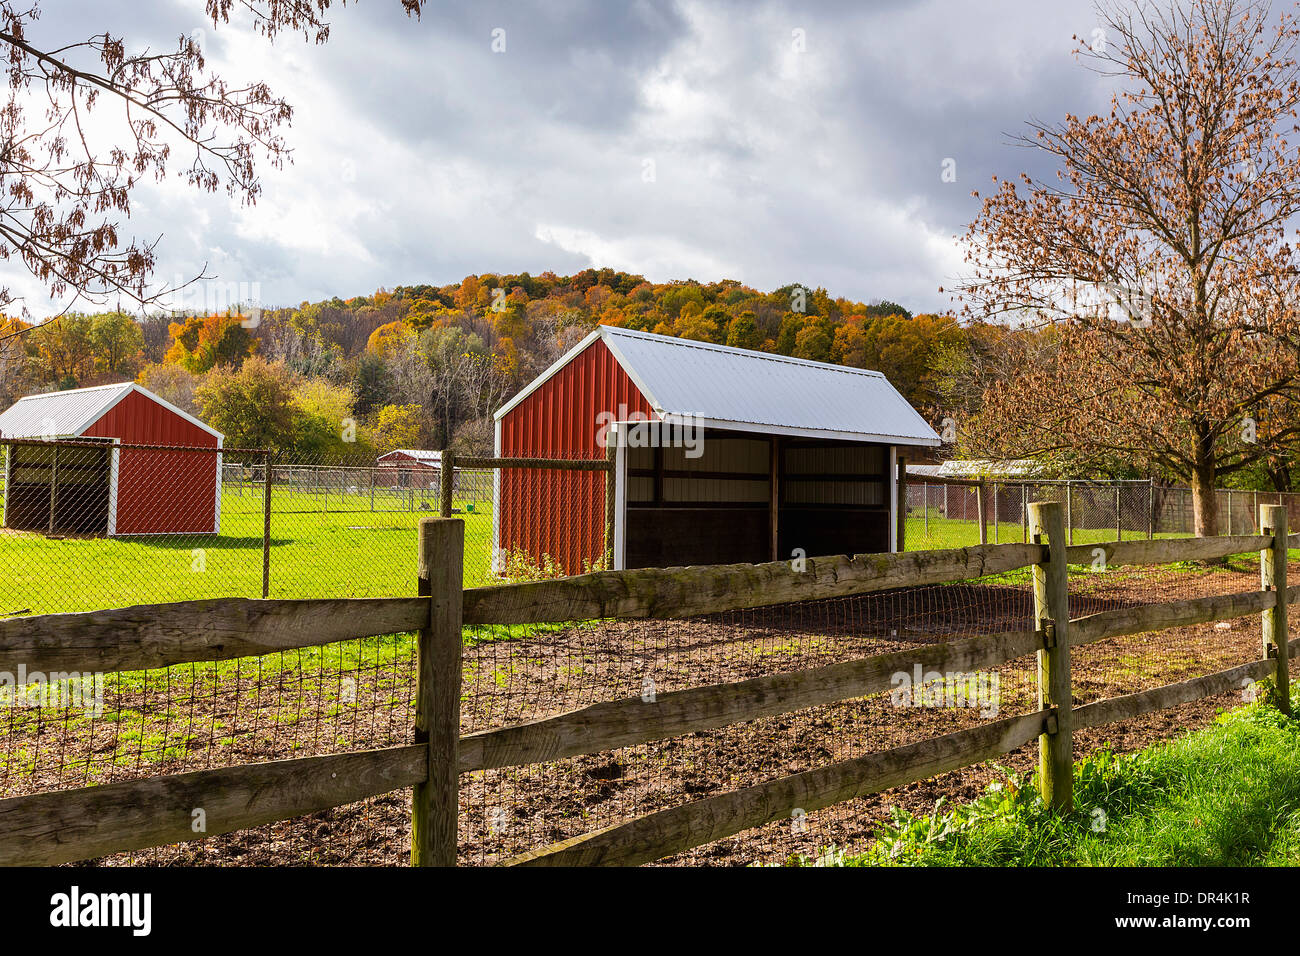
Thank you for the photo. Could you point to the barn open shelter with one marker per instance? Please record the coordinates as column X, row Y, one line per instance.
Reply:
column 113, row 459
column 722, row 455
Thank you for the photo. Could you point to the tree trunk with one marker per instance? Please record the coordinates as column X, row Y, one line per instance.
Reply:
column 1280, row 476
column 1204, row 510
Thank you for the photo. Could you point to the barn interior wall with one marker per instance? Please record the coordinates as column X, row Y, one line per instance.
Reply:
column 74, row 479
column 716, row 508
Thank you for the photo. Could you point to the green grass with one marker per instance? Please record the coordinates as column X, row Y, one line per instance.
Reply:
column 938, row 532
column 314, row 553
column 321, row 546
column 1228, row 795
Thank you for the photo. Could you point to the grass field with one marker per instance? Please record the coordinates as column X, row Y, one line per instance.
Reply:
column 1228, row 795
column 347, row 551
column 321, row 546
column 934, row 531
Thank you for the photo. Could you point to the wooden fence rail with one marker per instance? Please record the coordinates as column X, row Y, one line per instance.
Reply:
column 62, row 826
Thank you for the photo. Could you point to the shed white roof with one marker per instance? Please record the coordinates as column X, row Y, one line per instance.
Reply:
column 419, row 454
column 69, row 413
column 743, row 390
column 990, row 468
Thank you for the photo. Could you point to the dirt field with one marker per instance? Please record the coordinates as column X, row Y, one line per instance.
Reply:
column 505, row 812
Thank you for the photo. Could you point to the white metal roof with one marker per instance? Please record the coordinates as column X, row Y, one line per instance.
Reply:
column 990, row 468
column 69, row 413
column 925, row 471
column 419, row 454
column 755, row 391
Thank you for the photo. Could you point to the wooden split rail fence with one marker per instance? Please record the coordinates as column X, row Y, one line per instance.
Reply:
column 69, row 825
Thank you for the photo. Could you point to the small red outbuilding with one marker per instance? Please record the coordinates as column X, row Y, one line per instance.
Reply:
column 721, row 455
column 113, row 459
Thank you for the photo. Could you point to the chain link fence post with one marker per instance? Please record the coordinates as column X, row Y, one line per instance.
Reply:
column 266, row 525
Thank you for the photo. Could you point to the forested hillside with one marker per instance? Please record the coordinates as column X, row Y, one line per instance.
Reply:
column 426, row 366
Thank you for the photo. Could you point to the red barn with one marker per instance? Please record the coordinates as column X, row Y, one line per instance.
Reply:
column 409, row 468
column 94, row 471
column 722, row 455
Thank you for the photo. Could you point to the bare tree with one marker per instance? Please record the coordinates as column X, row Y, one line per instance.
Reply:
column 1160, row 250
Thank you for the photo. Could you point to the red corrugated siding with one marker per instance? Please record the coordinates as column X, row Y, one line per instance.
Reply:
column 160, row 492
column 558, row 513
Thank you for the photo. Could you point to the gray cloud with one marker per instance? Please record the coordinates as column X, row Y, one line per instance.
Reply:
column 687, row 139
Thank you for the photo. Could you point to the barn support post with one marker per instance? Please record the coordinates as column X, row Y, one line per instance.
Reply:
column 773, row 498
column 266, row 525
column 981, row 511
column 1272, row 570
column 902, row 504
column 1052, row 614
column 447, row 484
column 435, row 803
column 611, row 489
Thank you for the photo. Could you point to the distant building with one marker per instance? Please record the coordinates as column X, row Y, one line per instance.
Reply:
column 414, row 458
column 1003, row 469
column 409, row 468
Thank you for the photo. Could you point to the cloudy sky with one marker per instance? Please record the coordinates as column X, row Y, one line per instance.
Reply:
column 766, row 142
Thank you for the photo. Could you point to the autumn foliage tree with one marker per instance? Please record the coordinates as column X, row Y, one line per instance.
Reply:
column 1160, row 250
column 202, row 342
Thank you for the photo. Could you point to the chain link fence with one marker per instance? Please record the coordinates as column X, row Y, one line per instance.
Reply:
column 94, row 524
column 954, row 514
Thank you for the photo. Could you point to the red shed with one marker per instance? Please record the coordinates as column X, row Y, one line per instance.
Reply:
column 68, row 484
column 722, row 455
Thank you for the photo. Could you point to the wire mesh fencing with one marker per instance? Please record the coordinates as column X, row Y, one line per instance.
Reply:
column 539, row 672
column 86, row 525
column 358, row 695
column 60, row 731
column 520, row 674
column 954, row 514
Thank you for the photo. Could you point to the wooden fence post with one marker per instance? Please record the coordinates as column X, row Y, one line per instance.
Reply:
column 446, row 483
column 611, row 489
column 1051, row 611
column 435, row 803
column 1272, row 567
column 981, row 512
